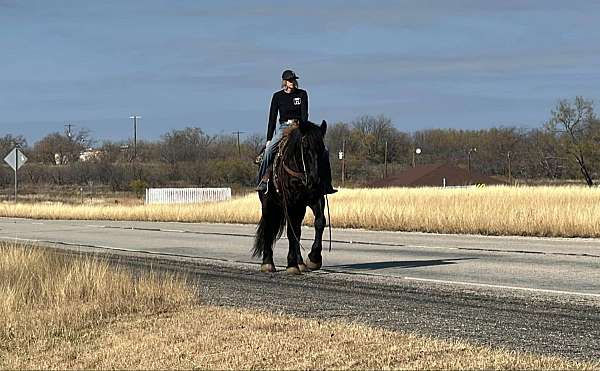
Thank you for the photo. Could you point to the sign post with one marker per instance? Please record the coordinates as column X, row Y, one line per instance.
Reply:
column 15, row 159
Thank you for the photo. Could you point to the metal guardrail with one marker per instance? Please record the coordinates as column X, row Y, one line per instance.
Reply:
column 186, row 195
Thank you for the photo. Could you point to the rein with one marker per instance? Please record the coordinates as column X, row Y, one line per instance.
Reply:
column 328, row 221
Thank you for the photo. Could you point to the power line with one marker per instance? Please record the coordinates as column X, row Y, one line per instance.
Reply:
column 68, row 127
column 238, row 141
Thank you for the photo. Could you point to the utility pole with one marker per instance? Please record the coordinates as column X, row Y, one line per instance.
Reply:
column 385, row 154
column 68, row 131
column 238, row 141
column 472, row 149
column 135, row 118
column 509, row 173
column 343, row 161
column 416, row 151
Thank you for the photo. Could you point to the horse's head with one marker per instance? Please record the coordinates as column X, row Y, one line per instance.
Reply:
column 300, row 160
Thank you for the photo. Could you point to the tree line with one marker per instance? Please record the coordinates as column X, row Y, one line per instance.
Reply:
column 565, row 147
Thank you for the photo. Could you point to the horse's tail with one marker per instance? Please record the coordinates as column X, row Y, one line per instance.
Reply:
column 269, row 230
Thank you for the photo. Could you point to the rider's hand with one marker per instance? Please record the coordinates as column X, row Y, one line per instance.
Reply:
column 268, row 142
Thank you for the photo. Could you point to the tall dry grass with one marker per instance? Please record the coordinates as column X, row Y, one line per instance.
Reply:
column 532, row 211
column 65, row 312
column 217, row 338
column 568, row 211
column 50, row 297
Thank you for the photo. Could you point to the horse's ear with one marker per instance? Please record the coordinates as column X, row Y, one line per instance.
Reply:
column 323, row 128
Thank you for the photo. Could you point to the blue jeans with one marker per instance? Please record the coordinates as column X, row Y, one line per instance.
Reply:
column 268, row 155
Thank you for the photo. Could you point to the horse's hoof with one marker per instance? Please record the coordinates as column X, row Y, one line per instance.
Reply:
column 293, row 270
column 313, row 266
column 267, row 268
column 303, row 268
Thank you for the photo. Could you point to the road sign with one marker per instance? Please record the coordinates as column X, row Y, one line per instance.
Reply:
column 15, row 159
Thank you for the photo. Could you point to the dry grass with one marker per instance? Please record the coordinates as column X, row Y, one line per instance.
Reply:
column 47, row 298
column 61, row 313
column 567, row 211
column 217, row 338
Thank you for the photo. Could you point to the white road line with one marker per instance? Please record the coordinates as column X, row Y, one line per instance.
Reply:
column 530, row 289
column 503, row 287
column 73, row 244
column 18, row 239
column 37, row 223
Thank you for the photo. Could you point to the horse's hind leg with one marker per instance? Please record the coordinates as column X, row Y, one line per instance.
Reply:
column 267, row 233
column 315, row 258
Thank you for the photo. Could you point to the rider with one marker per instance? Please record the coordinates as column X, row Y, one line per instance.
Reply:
column 292, row 105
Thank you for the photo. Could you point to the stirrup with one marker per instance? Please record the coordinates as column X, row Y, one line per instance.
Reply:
column 260, row 187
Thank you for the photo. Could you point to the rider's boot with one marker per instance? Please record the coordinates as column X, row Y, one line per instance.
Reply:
column 325, row 174
column 263, row 185
column 327, row 188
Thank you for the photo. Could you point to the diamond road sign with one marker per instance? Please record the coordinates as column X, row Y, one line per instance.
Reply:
column 15, row 159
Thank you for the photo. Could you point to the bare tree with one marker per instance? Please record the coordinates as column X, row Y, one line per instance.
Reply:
column 572, row 124
column 8, row 141
column 189, row 144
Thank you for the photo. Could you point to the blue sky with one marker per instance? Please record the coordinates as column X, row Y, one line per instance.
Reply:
column 214, row 65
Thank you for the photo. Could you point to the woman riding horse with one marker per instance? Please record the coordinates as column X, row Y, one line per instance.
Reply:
column 292, row 105
column 297, row 184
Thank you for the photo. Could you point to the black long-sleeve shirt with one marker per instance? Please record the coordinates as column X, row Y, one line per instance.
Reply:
column 293, row 105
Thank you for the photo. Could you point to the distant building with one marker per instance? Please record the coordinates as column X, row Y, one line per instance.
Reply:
column 60, row 159
column 435, row 175
column 90, row 154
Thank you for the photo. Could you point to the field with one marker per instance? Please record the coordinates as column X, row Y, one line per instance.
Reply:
column 65, row 312
column 565, row 211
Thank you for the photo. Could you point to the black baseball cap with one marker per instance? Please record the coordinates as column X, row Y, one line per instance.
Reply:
column 289, row 75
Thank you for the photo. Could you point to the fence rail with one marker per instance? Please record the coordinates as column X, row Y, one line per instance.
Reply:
column 186, row 195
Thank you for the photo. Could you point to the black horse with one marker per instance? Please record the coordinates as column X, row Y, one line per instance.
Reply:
column 295, row 184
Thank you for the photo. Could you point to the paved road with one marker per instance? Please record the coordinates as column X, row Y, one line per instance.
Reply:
column 516, row 263
column 538, row 295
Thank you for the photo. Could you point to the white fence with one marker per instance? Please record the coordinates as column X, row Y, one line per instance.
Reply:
column 186, row 195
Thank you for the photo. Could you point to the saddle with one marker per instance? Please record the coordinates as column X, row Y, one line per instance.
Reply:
column 259, row 158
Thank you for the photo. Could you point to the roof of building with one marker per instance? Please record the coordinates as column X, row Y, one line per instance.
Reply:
column 433, row 175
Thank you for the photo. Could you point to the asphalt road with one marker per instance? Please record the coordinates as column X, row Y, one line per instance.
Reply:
column 533, row 294
column 536, row 264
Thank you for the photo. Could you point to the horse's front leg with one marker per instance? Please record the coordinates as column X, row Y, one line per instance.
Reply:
column 315, row 258
column 294, row 232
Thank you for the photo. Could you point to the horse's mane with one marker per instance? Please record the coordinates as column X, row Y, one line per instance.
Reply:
column 292, row 138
